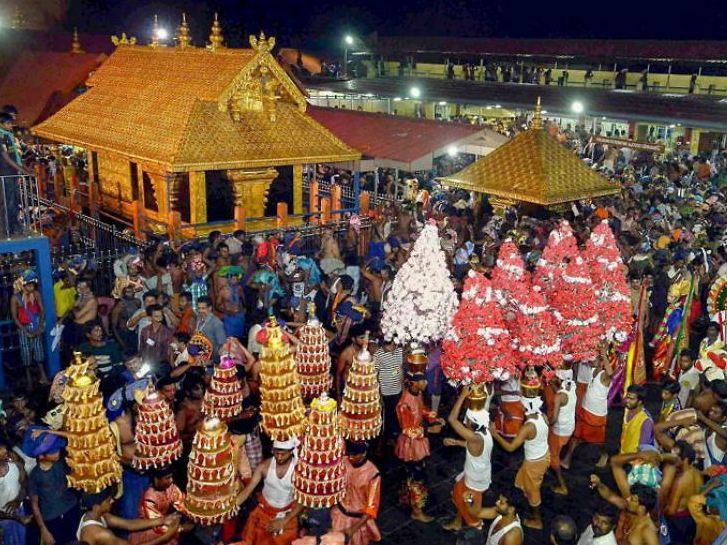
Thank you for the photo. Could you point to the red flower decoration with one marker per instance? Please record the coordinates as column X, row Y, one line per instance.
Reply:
column 479, row 347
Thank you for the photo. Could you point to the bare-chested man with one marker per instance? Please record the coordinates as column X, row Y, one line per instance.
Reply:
column 97, row 522
column 636, row 504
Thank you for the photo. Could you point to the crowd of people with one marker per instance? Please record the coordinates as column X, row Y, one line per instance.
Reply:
column 660, row 476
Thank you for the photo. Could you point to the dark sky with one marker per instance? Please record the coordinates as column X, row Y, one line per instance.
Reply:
column 321, row 24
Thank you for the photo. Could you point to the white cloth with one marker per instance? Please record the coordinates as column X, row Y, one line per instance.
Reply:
column 493, row 538
column 9, row 485
column 537, row 447
column 566, row 423
column 28, row 462
column 276, row 491
column 478, row 469
column 688, row 381
column 253, row 346
column 90, row 522
column 712, row 451
column 511, row 390
column 587, row 538
column 585, row 373
column 596, row 399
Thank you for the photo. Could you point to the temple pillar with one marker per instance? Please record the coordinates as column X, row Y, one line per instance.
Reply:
column 297, row 189
column 197, row 198
column 250, row 187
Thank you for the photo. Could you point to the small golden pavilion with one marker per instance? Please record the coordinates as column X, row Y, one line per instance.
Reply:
column 532, row 168
column 194, row 135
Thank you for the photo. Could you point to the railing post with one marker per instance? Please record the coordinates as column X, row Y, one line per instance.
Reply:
column 363, row 203
column 136, row 217
column 336, row 200
column 313, row 202
column 325, row 210
column 240, row 218
column 356, row 190
column 282, row 215
column 72, row 193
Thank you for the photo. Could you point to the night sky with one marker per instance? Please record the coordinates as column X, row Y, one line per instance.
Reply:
column 320, row 24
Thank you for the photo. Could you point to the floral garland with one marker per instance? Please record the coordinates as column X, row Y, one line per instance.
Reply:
column 561, row 245
column 608, row 273
column 420, row 305
column 576, row 311
column 478, row 347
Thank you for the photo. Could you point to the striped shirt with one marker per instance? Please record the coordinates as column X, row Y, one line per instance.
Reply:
column 390, row 369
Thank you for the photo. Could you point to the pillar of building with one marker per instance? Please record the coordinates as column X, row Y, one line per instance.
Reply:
column 250, row 188
column 297, row 189
column 197, row 198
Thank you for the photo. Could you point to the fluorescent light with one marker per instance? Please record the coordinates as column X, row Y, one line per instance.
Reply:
column 577, row 107
column 397, row 99
column 452, row 151
column 415, row 92
column 442, row 102
column 349, row 40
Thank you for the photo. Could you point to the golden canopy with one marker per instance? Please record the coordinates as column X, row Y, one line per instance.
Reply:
column 533, row 167
column 196, row 109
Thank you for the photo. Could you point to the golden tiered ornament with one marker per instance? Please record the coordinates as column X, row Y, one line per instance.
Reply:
column 223, row 398
column 312, row 358
column 91, row 448
column 282, row 408
column 156, row 436
column 211, row 485
column 361, row 404
column 319, row 479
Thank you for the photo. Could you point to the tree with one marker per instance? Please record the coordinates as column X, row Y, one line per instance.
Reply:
column 420, row 305
column 608, row 274
column 478, row 347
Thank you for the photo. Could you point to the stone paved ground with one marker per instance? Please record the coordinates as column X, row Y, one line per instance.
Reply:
column 446, row 463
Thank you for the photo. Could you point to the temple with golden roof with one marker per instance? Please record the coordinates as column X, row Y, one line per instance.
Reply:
column 532, row 168
column 186, row 135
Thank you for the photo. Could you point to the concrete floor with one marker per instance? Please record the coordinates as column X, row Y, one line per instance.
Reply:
column 446, row 463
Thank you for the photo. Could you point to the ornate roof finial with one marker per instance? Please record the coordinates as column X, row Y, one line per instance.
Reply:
column 537, row 117
column 124, row 40
column 216, row 39
column 18, row 20
column 262, row 44
column 76, row 44
column 183, row 33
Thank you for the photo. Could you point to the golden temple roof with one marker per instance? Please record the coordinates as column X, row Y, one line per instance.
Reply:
column 192, row 109
column 532, row 167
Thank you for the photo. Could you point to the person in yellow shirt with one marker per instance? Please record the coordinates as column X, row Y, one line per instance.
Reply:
column 64, row 292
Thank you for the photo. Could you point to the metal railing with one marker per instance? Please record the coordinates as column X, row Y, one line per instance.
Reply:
column 348, row 195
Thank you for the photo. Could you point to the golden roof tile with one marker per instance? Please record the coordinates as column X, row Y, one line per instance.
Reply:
column 169, row 106
column 532, row 167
